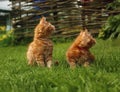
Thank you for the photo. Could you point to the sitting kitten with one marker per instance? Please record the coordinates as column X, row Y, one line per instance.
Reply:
column 40, row 50
column 79, row 53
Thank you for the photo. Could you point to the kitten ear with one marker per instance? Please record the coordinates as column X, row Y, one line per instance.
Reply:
column 84, row 38
column 43, row 19
column 86, row 30
column 81, row 32
column 87, row 33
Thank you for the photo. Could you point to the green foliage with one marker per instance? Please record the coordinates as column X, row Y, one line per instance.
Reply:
column 2, row 30
column 114, row 5
column 7, row 38
column 102, row 76
column 111, row 28
column 22, row 40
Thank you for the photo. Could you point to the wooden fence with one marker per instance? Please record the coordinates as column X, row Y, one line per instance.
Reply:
column 68, row 16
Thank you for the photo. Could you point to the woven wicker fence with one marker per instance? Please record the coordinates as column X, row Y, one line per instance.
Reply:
column 68, row 16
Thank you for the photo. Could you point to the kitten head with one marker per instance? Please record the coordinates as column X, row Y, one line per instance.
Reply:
column 44, row 29
column 86, row 39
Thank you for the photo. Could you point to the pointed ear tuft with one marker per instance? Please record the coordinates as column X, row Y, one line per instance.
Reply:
column 81, row 32
column 42, row 20
column 86, row 30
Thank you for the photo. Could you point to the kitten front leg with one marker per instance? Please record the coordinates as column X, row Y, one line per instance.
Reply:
column 30, row 59
column 72, row 63
column 30, row 62
column 89, row 60
column 49, row 61
column 40, row 61
column 49, row 56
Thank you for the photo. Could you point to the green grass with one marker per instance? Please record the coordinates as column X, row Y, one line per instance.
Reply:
column 102, row 76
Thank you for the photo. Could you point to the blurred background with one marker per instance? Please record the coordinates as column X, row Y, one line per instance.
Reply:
column 18, row 18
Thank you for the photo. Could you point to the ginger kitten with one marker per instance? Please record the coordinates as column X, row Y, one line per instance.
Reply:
column 41, row 48
column 79, row 53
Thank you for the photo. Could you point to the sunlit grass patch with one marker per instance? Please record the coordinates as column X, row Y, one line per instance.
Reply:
column 101, row 76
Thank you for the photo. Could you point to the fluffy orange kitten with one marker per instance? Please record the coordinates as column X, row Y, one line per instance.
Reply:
column 40, row 50
column 79, row 53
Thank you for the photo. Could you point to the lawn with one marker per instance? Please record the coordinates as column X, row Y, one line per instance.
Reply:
column 102, row 76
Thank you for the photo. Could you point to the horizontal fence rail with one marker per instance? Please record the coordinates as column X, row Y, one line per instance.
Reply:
column 68, row 16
